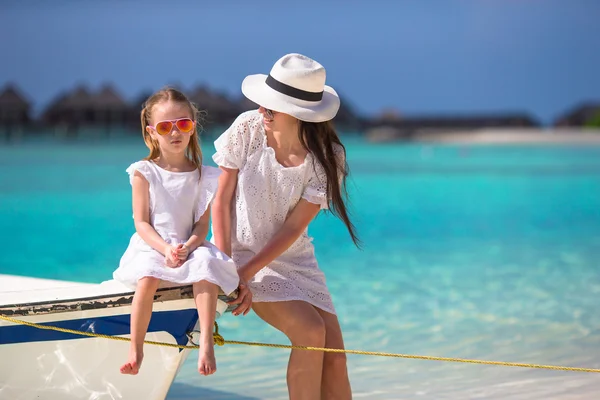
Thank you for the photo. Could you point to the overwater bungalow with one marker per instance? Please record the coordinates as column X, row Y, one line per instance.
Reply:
column 109, row 109
column 217, row 108
column 14, row 111
column 69, row 112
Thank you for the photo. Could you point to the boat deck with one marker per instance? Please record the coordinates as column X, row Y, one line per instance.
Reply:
column 22, row 296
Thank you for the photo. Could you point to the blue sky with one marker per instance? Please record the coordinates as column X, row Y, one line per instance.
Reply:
column 419, row 57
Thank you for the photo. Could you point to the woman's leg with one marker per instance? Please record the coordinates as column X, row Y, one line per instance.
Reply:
column 205, row 295
column 335, row 384
column 141, row 311
column 303, row 325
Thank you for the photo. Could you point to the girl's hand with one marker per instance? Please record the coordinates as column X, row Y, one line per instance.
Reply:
column 183, row 253
column 171, row 258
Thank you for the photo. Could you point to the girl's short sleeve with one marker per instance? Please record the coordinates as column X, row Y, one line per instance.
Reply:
column 143, row 168
column 209, row 182
column 233, row 146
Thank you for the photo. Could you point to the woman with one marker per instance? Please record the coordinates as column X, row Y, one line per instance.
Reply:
column 282, row 164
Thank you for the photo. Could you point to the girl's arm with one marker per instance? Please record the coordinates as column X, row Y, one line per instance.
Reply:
column 222, row 209
column 292, row 228
column 199, row 231
column 141, row 214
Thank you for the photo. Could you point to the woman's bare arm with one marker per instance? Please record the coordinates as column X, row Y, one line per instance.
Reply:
column 221, row 212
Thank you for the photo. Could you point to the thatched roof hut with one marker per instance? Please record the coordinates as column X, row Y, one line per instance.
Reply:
column 109, row 107
column 14, row 107
column 219, row 108
column 71, row 108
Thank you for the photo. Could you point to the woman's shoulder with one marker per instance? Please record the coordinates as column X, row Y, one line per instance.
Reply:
column 339, row 152
column 247, row 123
column 318, row 170
column 241, row 139
column 248, row 117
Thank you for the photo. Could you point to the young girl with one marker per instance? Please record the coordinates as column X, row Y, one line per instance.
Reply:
column 172, row 192
column 282, row 164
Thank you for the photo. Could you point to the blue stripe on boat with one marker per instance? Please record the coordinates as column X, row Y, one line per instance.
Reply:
column 175, row 322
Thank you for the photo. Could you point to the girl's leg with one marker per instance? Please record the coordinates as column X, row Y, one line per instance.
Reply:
column 141, row 311
column 205, row 295
column 303, row 325
column 335, row 384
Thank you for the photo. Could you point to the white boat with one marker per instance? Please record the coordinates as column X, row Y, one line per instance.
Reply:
column 46, row 364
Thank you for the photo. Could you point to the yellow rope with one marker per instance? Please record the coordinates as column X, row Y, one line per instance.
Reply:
column 220, row 341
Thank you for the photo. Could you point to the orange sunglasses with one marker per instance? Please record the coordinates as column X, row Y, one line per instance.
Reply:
column 184, row 125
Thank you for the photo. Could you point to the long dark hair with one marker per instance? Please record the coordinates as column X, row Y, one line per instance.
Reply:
column 319, row 139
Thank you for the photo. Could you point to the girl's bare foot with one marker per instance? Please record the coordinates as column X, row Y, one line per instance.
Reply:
column 207, row 365
column 132, row 366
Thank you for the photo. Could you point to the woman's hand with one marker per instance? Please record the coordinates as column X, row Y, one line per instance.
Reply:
column 244, row 300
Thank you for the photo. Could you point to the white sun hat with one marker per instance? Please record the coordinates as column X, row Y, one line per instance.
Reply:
column 295, row 86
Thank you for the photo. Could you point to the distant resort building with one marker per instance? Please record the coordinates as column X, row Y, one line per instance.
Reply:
column 83, row 112
column 389, row 125
column 110, row 109
column 15, row 111
column 217, row 108
column 584, row 115
column 80, row 109
column 69, row 112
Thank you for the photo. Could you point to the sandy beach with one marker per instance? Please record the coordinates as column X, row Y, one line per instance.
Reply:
column 565, row 136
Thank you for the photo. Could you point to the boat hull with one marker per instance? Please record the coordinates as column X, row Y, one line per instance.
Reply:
column 49, row 364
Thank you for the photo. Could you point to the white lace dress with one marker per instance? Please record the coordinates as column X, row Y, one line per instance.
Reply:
column 177, row 201
column 266, row 192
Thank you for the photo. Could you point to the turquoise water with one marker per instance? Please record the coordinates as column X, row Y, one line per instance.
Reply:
column 475, row 252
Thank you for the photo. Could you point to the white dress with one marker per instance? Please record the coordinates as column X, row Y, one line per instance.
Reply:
column 266, row 192
column 177, row 201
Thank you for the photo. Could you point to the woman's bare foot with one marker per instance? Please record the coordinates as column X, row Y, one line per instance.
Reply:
column 207, row 365
column 132, row 366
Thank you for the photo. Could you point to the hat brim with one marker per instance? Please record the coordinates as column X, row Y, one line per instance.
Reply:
column 256, row 90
